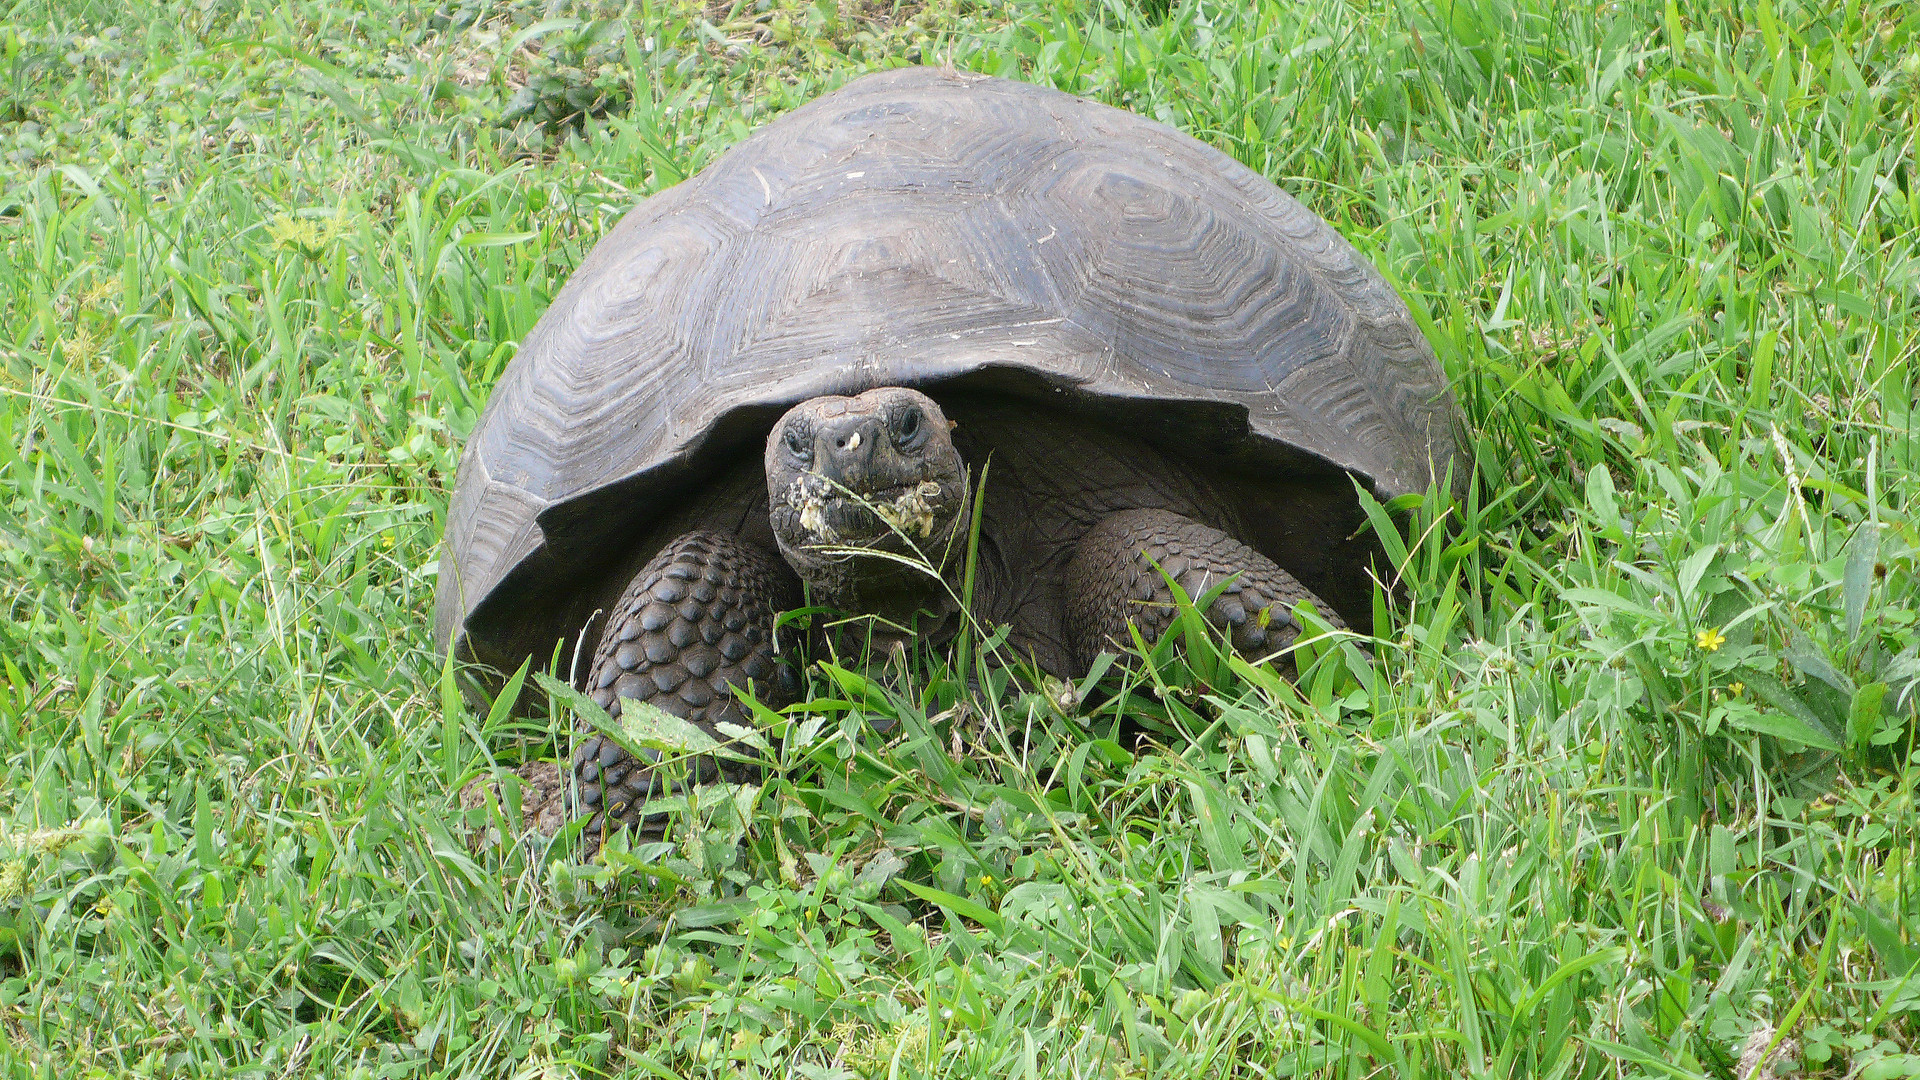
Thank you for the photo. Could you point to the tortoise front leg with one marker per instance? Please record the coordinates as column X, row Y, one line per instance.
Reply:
column 1111, row 582
column 695, row 622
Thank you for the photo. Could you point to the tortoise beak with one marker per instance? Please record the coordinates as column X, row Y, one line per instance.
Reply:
column 844, row 449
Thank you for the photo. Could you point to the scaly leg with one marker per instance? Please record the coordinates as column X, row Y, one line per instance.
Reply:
column 1110, row 582
column 696, row 621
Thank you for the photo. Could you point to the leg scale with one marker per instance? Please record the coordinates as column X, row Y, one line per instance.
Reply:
column 696, row 622
column 1111, row 582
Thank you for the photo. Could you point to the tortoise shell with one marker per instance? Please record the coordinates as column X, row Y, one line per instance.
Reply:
column 929, row 228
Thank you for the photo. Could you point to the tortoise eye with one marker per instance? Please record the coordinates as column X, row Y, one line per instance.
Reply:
column 796, row 445
column 906, row 426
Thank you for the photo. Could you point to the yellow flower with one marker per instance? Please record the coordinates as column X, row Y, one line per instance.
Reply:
column 80, row 347
column 305, row 235
column 1710, row 639
column 101, row 291
column 1737, row 688
column 13, row 879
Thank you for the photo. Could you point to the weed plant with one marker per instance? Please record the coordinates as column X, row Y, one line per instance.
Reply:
column 1622, row 787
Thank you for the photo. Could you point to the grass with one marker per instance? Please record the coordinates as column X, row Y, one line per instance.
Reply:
column 1625, row 787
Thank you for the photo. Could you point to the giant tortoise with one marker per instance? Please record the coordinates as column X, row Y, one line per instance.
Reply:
column 779, row 374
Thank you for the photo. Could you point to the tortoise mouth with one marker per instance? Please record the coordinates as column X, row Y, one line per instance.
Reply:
column 896, row 518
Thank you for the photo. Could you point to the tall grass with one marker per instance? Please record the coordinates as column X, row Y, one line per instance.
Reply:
column 1623, row 788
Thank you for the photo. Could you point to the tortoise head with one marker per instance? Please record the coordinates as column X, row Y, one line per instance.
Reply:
column 877, row 472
